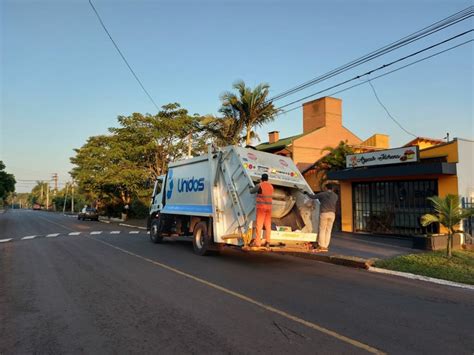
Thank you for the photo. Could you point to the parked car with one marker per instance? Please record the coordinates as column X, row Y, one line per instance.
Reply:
column 36, row 206
column 89, row 213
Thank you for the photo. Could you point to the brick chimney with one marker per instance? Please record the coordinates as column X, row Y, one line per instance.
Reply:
column 273, row 136
column 323, row 112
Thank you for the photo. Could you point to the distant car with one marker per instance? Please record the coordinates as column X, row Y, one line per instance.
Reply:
column 90, row 213
column 36, row 206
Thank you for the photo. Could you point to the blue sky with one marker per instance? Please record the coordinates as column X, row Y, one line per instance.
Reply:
column 62, row 80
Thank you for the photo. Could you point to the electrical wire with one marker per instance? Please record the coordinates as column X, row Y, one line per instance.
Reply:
column 123, row 57
column 388, row 113
column 426, row 31
column 384, row 74
column 387, row 73
column 379, row 68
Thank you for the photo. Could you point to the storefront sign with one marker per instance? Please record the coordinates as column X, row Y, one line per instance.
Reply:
column 383, row 157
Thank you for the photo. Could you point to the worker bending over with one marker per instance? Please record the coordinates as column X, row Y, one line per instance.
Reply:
column 264, row 192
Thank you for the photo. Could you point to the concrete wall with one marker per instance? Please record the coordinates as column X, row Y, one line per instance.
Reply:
column 310, row 148
column 465, row 167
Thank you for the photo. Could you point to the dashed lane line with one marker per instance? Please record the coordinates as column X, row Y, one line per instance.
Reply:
column 250, row 300
column 130, row 225
column 54, row 235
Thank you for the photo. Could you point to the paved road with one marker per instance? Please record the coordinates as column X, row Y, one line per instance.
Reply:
column 118, row 293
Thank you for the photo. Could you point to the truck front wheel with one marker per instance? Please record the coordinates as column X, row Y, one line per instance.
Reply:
column 155, row 232
column 202, row 241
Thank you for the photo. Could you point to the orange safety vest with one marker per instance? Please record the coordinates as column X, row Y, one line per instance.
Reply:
column 264, row 196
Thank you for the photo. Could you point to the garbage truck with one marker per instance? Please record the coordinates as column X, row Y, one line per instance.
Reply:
column 207, row 199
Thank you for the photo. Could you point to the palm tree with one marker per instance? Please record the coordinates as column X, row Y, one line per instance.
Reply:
column 222, row 130
column 334, row 160
column 449, row 214
column 249, row 107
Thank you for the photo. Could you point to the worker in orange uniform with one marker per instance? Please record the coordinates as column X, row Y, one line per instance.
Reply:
column 264, row 192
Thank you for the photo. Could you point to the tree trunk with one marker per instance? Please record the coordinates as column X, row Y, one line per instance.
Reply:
column 247, row 138
column 449, row 245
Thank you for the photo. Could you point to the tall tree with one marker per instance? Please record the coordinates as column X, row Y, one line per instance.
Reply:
column 118, row 166
column 248, row 106
column 335, row 159
column 38, row 193
column 7, row 182
column 154, row 140
column 222, row 131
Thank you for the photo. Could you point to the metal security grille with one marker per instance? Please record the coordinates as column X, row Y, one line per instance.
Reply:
column 393, row 207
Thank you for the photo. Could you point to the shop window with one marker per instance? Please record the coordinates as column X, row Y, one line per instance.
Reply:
column 393, row 207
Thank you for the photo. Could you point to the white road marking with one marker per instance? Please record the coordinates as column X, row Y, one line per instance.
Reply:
column 133, row 232
column 259, row 304
column 96, row 232
column 129, row 225
column 74, row 233
column 29, row 237
column 5, row 240
column 104, row 221
column 148, row 232
column 53, row 235
column 115, row 232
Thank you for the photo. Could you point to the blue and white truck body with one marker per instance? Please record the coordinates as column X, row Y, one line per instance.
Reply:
column 208, row 198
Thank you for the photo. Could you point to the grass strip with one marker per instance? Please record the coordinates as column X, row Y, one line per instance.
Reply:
column 460, row 268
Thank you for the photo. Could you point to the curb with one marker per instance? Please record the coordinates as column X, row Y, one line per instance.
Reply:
column 350, row 261
column 421, row 278
column 131, row 225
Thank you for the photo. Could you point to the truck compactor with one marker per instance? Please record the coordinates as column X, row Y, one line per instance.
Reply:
column 207, row 198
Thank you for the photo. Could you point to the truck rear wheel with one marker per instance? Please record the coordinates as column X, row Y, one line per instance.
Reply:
column 155, row 232
column 202, row 241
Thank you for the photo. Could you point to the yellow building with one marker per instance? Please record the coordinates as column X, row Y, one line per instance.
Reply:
column 322, row 128
column 386, row 191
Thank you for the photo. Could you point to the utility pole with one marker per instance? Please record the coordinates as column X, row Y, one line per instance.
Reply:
column 42, row 199
column 65, row 199
column 55, row 178
column 47, row 197
column 190, row 144
column 72, row 196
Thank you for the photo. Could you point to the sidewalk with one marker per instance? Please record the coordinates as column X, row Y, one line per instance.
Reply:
column 369, row 246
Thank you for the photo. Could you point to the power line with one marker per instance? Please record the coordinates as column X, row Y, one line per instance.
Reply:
column 387, row 73
column 379, row 68
column 433, row 28
column 123, row 57
column 384, row 74
column 388, row 113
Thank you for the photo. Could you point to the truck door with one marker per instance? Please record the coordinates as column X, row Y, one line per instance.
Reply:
column 157, row 196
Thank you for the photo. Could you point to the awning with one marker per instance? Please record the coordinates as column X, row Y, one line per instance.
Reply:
column 416, row 169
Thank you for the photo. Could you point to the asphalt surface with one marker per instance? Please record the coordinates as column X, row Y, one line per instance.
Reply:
column 113, row 293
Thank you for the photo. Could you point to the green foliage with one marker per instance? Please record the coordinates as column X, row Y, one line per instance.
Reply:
column 38, row 193
column 459, row 268
column 334, row 160
column 247, row 109
column 7, row 182
column 222, row 131
column 116, row 168
column 448, row 213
